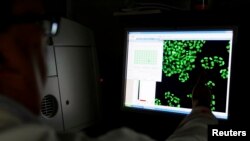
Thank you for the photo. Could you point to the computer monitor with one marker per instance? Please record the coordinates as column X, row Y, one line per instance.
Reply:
column 161, row 68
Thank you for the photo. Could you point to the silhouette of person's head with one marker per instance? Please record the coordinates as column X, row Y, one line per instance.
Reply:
column 22, row 40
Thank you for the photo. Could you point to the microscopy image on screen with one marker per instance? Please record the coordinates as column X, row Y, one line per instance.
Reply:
column 182, row 62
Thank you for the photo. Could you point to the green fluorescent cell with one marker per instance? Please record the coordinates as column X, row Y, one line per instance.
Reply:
column 213, row 97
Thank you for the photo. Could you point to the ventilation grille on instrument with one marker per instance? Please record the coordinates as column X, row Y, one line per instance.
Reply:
column 49, row 106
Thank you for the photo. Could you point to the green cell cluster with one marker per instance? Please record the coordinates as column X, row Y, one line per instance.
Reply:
column 210, row 84
column 189, row 95
column 157, row 101
column 228, row 47
column 172, row 100
column 224, row 73
column 212, row 103
column 209, row 62
column 179, row 57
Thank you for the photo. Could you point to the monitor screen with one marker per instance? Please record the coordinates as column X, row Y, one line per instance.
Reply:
column 161, row 68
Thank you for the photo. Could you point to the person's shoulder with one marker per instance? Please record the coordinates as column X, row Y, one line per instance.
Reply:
column 26, row 132
column 124, row 134
column 191, row 131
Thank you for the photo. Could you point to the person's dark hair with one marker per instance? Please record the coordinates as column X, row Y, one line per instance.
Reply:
column 5, row 13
